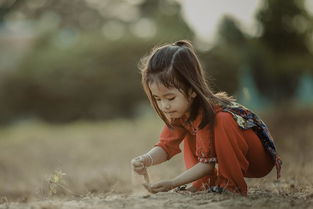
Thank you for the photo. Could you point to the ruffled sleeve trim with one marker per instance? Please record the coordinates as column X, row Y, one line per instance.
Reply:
column 207, row 160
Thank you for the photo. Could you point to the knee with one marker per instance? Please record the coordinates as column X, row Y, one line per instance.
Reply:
column 259, row 172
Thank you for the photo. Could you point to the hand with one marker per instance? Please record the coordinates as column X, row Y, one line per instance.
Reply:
column 186, row 188
column 138, row 165
column 191, row 189
column 162, row 186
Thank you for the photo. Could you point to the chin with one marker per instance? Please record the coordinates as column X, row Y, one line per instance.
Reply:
column 170, row 118
column 175, row 117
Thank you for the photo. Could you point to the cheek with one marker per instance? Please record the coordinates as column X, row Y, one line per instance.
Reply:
column 187, row 104
column 182, row 104
column 158, row 104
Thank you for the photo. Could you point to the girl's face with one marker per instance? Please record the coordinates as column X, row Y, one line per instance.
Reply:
column 173, row 103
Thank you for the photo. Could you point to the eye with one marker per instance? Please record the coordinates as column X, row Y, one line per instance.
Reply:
column 172, row 98
column 157, row 99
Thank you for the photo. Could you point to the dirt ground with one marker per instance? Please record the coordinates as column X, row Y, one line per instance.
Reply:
column 86, row 165
column 257, row 199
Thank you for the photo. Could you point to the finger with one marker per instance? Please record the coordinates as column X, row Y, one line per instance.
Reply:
column 133, row 161
column 156, row 186
column 139, row 167
column 138, row 158
column 137, row 163
column 158, row 189
column 140, row 170
column 148, row 187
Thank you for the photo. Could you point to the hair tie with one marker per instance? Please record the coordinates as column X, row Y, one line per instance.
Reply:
column 183, row 43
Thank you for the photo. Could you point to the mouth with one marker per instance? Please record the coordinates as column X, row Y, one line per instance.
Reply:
column 170, row 112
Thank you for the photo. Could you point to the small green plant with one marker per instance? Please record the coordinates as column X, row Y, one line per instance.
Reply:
column 56, row 180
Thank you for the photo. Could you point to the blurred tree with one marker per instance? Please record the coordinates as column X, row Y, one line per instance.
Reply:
column 276, row 58
column 229, row 32
column 168, row 19
column 84, row 65
column 286, row 26
column 283, row 52
column 75, row 14
column 145, row 18
column 82, row 81
column 7, row 6
column 224, row 60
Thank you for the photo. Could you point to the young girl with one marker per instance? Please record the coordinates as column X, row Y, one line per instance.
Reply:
column 223, row 141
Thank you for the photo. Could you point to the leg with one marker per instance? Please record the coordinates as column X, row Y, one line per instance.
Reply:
column 191, row 160
column 231, row 149
column 240, row 154
column 260, row 162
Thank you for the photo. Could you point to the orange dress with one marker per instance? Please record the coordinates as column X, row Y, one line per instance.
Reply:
column 238, row 153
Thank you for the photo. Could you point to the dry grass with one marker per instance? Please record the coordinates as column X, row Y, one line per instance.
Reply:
column 95, row 158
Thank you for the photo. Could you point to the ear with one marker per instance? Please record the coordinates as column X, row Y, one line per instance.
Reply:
column 192, row 94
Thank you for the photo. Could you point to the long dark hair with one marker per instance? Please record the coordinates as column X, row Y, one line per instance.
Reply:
column 177, row 65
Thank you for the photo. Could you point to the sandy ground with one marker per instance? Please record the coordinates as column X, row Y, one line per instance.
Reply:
column 86, row 165
column 257, row 199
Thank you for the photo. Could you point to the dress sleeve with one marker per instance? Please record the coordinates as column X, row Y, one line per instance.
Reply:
column 205, row 145
column 170, row 139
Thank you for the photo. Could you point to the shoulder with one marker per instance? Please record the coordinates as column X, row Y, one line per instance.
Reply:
column 223, row 117
column 174, row 131
column 219, row 114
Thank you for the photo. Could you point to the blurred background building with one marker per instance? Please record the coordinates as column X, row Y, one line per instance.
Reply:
column 62, row 61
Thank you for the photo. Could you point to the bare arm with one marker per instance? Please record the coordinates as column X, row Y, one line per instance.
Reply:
column 196, row 172
column 155, row 156
column 158, row 156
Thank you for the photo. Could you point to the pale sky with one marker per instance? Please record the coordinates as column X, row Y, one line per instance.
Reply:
column 204, row 15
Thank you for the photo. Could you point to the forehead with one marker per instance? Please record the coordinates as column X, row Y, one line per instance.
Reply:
column 159, row 89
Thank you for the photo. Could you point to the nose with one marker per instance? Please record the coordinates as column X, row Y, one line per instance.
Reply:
column 165, row 106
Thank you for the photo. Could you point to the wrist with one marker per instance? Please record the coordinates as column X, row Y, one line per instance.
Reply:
column 147, row 160
column 174, row 183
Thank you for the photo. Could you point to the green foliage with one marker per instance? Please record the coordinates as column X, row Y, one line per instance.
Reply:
column 282, row 54
column 286, row 26
column 7, row 6
column 92, row 79
column 230, row 33
column 56, row 180
column 75, row 70
column 72, row 74
column 277, row 58
column 222, row 69
column 277, row 75
column 224, row 60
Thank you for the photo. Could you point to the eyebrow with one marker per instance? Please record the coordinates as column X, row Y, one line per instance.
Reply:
column 168, row 94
